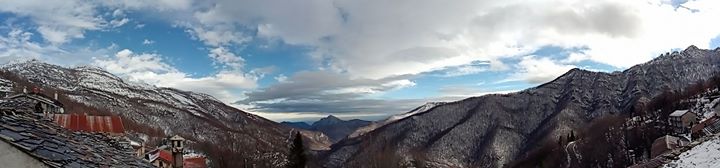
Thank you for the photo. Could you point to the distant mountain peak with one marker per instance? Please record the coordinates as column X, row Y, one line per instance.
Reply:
column 692, row 48
column 332, row 126
column 330, row 118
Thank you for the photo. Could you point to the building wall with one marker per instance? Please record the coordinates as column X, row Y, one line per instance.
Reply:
column 12, row 157
column 161, row 164
column 689, row 119
column 676, row 124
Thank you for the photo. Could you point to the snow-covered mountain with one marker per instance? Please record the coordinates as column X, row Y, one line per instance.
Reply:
column 377, row 124
column 210, row 125
column 493, row 130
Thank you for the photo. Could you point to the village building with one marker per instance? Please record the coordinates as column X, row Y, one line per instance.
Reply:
column 29, row 140
column 160, row 158
column 666, row 143
column 172, row 158
column 680, row 121
column 41, row 103
column 707, row 126
column 138, row 145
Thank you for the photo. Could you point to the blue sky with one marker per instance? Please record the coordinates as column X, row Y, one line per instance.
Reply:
column 303, row 60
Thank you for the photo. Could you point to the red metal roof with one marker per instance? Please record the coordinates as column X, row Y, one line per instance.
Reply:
column 194, row 162
column 87, row 123
column 166, row 156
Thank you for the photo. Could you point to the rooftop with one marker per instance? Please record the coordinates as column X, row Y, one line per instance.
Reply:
column 678, row 113
column 194, row 162
column 88, row 123
column 38, row 97
column 56, row 147
column 161, row 154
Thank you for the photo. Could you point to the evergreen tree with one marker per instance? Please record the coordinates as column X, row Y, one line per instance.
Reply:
column 297, row 153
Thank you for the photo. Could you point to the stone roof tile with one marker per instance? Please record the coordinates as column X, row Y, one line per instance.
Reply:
column 56, row 147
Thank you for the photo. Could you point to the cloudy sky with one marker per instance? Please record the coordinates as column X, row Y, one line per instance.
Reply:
column 303, row 59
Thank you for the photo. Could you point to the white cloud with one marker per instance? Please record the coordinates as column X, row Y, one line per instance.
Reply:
column 469, row 69
column 17, row 46
column 57, row 21
column 375, row 40
column 460, row 92
column 62, row 21
column 139, row 26
column 151, row 69
column 148, row 42
column 161, row 5
column 218, row 35
column 119, row 22
column 223, row 56
column 281, row 78
column 538, row 70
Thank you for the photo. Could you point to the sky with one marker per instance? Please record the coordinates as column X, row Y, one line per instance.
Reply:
column 300, row 60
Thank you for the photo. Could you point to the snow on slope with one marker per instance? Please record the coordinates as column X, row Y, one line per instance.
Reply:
column 495, row 130
column 705, row 155
column 363, row 130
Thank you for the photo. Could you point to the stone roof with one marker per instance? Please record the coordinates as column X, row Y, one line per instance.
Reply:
column 57, row 147
column 17, row 106
column 678, row 113
column 38, row 97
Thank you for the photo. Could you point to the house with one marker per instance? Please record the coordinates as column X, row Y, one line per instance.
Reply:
column 708, row 126
column 111, row 125
column 666, row 143
column 42, row 104
column 160, row 158
column 138, row 145
column 29, row 140
column 681, row 120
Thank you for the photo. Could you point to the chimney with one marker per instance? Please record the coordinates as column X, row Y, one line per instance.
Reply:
column 177, row 148
column 24, row 89
column 56, row 95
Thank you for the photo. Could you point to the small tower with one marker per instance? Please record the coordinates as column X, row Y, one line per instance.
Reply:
column 177, row 147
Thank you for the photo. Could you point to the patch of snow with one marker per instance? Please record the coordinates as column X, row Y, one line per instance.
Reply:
column 705, row 155
column 391, row 119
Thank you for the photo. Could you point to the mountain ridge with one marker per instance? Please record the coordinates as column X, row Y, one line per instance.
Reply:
column 492, row 130
column 335, row 128
column 206, row 122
